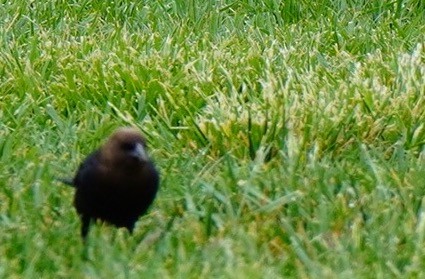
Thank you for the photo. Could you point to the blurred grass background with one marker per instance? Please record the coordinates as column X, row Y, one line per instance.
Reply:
column 289, row 134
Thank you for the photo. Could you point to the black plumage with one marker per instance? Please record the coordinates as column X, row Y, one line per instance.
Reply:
column 116, row 183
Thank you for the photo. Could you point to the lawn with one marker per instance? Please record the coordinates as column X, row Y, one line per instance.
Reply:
column 290, row 136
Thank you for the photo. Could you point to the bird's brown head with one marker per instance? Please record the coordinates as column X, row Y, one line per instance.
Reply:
column 126, row 147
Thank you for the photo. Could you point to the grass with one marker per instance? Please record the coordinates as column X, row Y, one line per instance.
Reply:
column 289, row 134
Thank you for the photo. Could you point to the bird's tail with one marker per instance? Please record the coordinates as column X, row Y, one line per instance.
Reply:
column 67, row 181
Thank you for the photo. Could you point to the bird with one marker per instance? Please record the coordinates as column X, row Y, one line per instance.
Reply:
column 116, row 183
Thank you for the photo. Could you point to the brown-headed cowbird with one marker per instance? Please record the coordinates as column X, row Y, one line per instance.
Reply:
column 116, row 183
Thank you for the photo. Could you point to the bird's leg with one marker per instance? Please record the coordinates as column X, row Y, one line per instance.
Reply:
column 130, row 227
column 85, row 220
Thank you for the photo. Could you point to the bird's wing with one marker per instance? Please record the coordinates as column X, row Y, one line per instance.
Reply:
column 88, row 171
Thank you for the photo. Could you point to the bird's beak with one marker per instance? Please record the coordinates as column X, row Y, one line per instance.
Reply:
column 139, row 152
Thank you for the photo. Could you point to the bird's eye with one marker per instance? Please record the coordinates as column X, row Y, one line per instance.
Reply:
column 127, row 146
